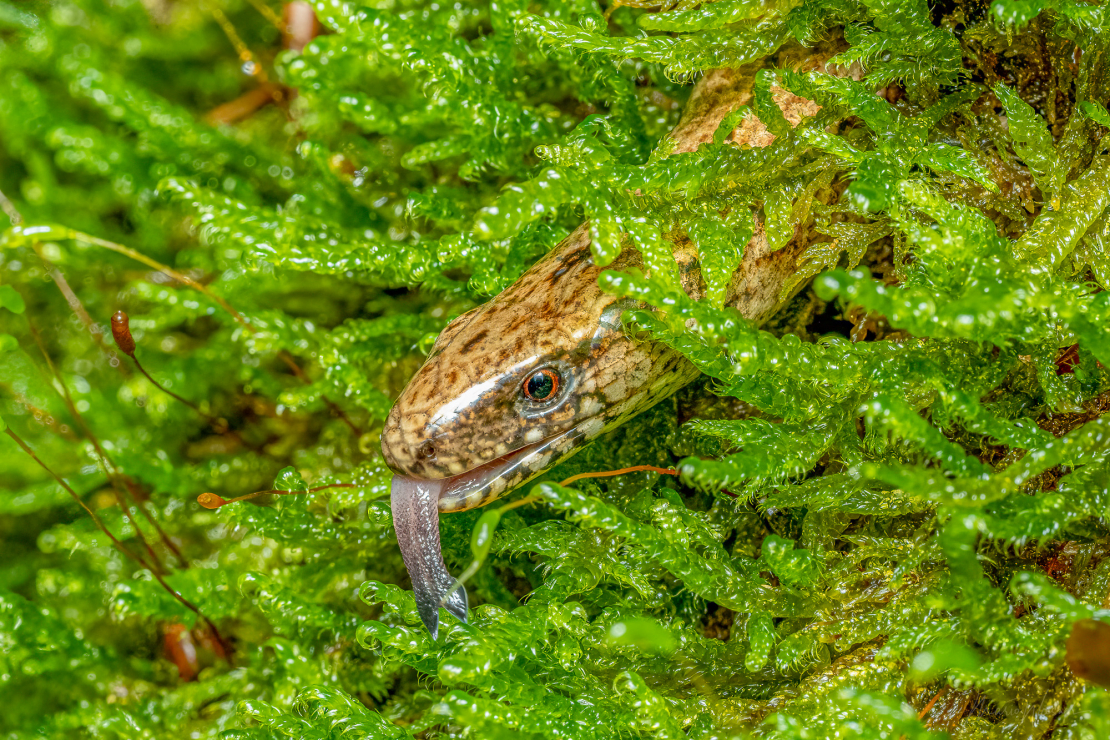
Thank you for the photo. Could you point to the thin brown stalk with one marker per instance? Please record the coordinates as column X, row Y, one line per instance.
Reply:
column 192, row 607
column 218, row 425
column 118, row 545
column 213, row 421
column 622, row 471
column 134, row 490
column 186, row 280
column 110, row 469
column 121, row 333
column 296, row 369
column 285, row 356
column 342, row 416
column 61, row 481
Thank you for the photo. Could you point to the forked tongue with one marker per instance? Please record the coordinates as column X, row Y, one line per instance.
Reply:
column 415, row 505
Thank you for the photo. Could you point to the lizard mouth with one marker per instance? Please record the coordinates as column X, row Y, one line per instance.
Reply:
column 481, row 485
column 417, row 502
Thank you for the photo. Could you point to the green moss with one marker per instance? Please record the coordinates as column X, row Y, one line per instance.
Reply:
column 903, row 498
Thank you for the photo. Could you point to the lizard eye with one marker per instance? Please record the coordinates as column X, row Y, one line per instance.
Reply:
column 541, row 385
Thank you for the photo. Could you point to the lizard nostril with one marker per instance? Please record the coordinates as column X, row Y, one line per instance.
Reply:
column 426, row 451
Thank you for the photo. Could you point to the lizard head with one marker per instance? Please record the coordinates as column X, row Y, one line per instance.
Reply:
column 520, row 383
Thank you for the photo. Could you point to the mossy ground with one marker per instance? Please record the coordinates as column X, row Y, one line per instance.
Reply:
column 893, row 499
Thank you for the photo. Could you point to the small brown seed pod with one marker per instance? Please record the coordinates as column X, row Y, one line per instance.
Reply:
column 121, row 332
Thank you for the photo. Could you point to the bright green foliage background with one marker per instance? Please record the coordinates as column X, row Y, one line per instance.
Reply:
column 859, row 526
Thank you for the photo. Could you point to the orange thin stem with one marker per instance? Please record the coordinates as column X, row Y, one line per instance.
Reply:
column 522, row 502
column 929, row 706
column 244, row 105
column 622, row 471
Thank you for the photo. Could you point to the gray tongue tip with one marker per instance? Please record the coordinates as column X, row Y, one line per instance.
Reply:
column 415, row 506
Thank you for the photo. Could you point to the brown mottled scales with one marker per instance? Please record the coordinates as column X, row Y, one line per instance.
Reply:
column 465, row 409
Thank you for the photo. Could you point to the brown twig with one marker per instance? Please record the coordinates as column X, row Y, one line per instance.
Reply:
column 298, row 26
